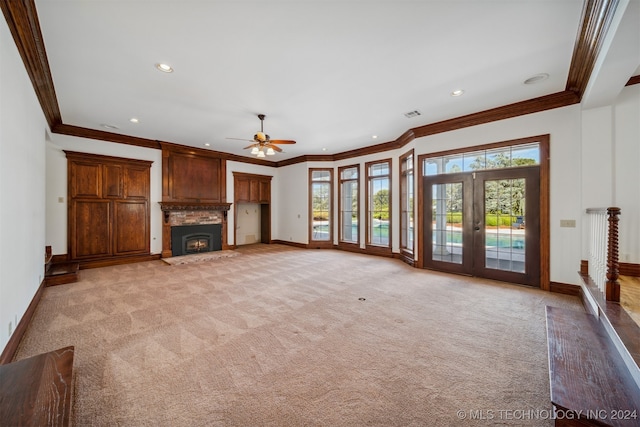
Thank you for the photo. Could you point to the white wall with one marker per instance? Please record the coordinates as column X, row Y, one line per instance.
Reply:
column 292, row 200
column 626, row 153
column 56, row 233
column 248, row 224
column 22, row 187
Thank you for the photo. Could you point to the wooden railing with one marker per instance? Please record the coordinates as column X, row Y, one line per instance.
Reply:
column 603, row 264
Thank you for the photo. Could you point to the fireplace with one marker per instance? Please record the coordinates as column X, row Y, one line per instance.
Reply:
column 192, row 239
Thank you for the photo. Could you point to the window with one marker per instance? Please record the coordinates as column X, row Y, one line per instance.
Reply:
column 379, row 203
column 320, row 195
column 473, row 161
column 348, row 202
column 406, row 202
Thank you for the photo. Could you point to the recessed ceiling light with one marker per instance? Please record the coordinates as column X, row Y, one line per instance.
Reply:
column 207, row 145
column 324, row 148
column 134, row 120
column 374, row 136
column 536, row 79
column 457, row 92
column 104, row 125
column 164, row 68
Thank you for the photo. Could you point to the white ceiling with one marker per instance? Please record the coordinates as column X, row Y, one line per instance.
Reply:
column 329, row 74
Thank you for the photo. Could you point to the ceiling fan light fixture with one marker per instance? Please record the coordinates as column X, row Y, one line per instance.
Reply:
column 270, row 151
column 260, row 136
column 254, row 150
column 260, row 154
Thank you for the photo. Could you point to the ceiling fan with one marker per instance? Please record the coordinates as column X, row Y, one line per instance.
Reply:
column 262, row 143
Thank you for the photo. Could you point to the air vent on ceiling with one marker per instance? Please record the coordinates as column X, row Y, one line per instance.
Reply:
column 411, row 114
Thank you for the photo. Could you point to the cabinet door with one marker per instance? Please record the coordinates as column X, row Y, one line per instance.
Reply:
column 131, row 227
column 85, row 179
column 112, row 181
column 136, row 183
column 254, row 191
column 242, row 189
column 90, row 228
column 265, row 191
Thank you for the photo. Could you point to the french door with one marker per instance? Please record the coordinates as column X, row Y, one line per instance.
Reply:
column 484, row 224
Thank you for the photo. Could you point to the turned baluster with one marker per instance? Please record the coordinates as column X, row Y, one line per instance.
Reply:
column 613, row 286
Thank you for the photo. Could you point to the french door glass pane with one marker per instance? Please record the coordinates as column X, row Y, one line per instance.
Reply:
column 349, row 205
column 379, row 210
column 447, row 222
column 321, row 204
column 504, row 205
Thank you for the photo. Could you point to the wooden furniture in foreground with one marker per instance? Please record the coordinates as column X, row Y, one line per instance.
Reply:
column 108, row 207
column 590, row 383
column 38, row 391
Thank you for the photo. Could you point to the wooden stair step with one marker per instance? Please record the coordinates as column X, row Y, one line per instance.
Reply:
column 588, row 377
column 61, row 273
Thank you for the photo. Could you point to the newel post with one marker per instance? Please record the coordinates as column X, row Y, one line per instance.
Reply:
column 612, row 289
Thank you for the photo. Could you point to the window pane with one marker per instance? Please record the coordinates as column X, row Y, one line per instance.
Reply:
column 320, row 176
column 379, row 169
column 349, row 212
column 350, row 173
column 379, row 211
column 474, row 161
column 525, row 155
column 321, row 205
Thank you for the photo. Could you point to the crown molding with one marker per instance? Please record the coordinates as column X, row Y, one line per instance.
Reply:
column 22, row 19
column 595, row 21
column 633, row 80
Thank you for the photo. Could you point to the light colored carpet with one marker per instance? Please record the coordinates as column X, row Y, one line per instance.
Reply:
column 207, row 256
column 280, row 337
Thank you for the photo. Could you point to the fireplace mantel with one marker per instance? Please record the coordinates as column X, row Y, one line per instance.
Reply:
column 169, row 207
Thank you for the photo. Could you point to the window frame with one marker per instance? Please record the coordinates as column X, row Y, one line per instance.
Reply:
column 383, row 249
column 405, row 250
column 313, row 242
column 341, row 242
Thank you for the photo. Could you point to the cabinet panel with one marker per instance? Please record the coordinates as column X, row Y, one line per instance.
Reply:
column 265, row 192
column 131, row 232
column 195, row 178
column 254, row 191
column 136, row 183
column 242, row 189
column 86, row 179
column 90, row 229
column 112, row 180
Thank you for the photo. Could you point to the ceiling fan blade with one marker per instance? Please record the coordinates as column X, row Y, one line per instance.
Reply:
column 282, row 141
column 251, row 146
column 242, row 139
column 275, row 147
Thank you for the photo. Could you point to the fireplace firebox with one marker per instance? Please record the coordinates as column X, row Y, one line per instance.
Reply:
column 192, row 239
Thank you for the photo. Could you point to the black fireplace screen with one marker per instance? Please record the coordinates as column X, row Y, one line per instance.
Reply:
column 190, row 239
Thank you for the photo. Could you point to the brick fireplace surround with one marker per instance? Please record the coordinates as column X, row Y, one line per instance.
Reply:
column 176, row 214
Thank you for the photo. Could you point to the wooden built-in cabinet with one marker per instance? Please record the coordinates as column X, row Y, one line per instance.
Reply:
column 250, row 188
column 108, row 209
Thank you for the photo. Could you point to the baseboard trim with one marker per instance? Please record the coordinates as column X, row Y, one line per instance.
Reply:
column 628, row 269
column 565, row 288
column 624, row 268
column 294, row 244
column 10, row 349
